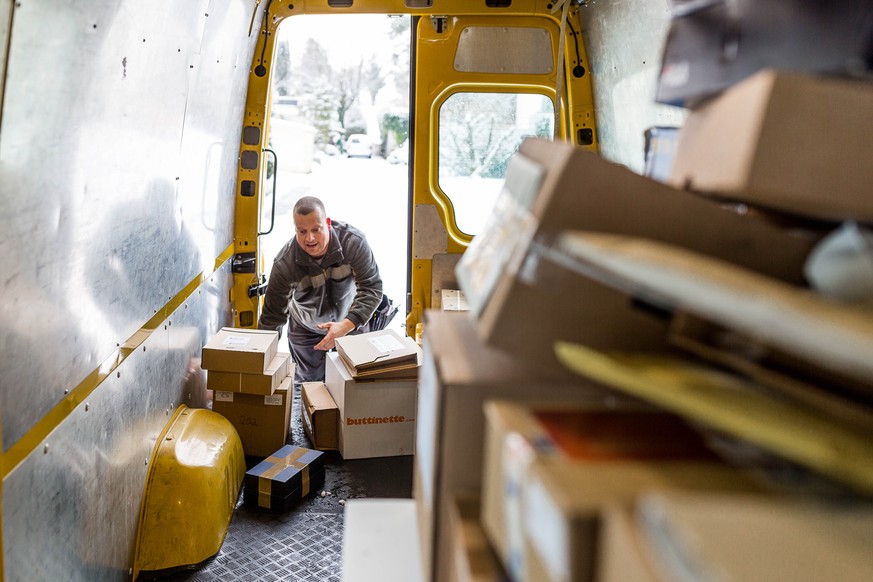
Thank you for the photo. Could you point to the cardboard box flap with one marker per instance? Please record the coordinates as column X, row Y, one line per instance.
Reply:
column 320, row 416
column 377, row 349
column 317, row 396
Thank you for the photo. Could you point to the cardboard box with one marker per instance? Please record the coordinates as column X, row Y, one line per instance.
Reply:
column 248, row 351
column 265, row 383
column 713, row 45
column 549, row 473
column 459, row 374
column 747, row 537
column 377, row 417
column 473, row 560
column 284, row 478
column 369, row 353
column 320, row 416
column 524, row 299
column 753, row 144
column 623, row 554
column 261, row 421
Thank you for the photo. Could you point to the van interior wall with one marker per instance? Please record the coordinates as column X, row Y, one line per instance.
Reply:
column 624, row 41
column 118, row 155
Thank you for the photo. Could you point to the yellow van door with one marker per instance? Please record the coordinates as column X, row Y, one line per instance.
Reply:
column 482, row 85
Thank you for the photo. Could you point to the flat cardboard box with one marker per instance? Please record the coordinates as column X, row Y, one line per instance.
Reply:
column 532, row 301
column 377, row 349
column 284, row 478
column 748, row 537
column 248, row 351
column 549, row 472
column 377, row 417
column 265, row 383
column 459, row 374
column 473, row 560
column 404, row 371
column 320, row 416
column 261, row 421
column 711, row 46
column 753, row 144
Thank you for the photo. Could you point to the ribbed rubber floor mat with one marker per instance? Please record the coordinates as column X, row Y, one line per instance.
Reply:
column 292, row 546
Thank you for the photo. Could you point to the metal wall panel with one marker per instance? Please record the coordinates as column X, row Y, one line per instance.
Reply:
column 70, row 509
column 624, row 41
column 497, row 49
column 118, row 147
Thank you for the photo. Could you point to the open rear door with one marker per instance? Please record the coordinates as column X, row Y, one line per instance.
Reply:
column 483, row 84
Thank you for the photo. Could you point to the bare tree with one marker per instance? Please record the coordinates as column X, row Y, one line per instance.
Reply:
column 373, row 80
column 348, row 86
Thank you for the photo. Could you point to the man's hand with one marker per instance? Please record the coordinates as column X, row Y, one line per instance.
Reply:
column 334, row 329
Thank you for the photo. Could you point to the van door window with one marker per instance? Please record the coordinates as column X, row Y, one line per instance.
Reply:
column 478, row 133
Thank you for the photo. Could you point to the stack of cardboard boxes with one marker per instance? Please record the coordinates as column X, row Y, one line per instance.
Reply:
column 586, row 485
column 252, row 384
column 366, row 406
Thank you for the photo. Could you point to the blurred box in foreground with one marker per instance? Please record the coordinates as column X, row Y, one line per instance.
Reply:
column 795, row 143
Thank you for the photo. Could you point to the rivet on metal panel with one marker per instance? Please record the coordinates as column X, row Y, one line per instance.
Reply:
column 169, row 437
column 45, row 449
column 87, row 407
column 118, row 375
column 146, row 461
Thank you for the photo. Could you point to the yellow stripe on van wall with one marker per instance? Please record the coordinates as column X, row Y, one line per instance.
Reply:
column 40, row 431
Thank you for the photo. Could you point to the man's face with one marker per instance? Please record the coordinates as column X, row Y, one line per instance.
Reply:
column 313, row 232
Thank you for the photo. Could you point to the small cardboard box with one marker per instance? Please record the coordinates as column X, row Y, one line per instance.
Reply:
column 284, row 478
column 458, row 375
column 753, row 144
column 549, row 473
column 264, row 383
column 320, row 416
column 518, row 292
column 261, row 421
column 377, row 417
column 247, row 351
column 377, row 350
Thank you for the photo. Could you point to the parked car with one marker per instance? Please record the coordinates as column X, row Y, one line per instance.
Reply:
column 400, row 154
column 359, row 145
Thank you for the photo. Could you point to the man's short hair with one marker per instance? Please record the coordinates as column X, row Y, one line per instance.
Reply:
column 309, row 204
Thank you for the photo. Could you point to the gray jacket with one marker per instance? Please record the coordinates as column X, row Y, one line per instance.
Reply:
column 345, row 284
